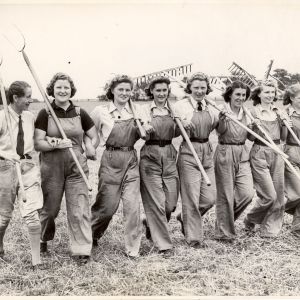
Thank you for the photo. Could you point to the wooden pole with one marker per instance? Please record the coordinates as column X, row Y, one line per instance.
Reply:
column 264, row 132
column 190, row 145
column 138, row 123
column 55, row 117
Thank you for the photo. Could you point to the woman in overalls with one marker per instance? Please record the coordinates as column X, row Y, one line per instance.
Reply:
column 292, row 149
column 199, row 120
column 267, row 166
column 119, row 172
column 232, row 168
column 58, row 170
column 159, row 176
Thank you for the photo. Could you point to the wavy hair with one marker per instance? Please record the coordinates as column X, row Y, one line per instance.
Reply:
column 235, row 85
column 258, row 89
column 60, row 76
column 114, row 82
column 197, row 76
column 153, row 82
column 291, row 92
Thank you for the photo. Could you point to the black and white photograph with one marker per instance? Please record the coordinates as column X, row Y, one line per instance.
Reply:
column 150, row 149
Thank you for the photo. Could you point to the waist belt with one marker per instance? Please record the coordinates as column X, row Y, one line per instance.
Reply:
column 258, row 142
column 160, row 143
column 111, row 148
column 239, row 144
column 24, row 156
column 196, row 140
column 292, row 144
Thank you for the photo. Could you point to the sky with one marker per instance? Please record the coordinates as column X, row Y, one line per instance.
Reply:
column 94, row 40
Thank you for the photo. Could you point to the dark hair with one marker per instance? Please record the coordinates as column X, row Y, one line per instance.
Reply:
column 114, row 82
column 197, row 76
column 60, row 76
column 153, row 82
column 291, row 92
column 258, row 89
column 17, row 88
column 233, row 86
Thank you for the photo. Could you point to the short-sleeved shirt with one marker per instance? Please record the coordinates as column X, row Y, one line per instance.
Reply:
column 105, row 117
column 42, row 118
column 148, row 110
column 28, row 127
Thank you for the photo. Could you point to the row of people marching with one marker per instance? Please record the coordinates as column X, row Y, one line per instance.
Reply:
column 161, row 174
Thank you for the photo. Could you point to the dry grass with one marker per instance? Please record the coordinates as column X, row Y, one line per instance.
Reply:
column 251, row 266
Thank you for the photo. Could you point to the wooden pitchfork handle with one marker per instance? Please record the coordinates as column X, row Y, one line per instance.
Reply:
column 244, row 126
column 190, row 145
column 13, row 145
column 138, row 123
column 289, row 128
column 264, row 132
column 276, row 149
column 55, row 118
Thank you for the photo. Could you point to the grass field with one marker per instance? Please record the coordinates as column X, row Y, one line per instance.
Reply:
column 251, row 266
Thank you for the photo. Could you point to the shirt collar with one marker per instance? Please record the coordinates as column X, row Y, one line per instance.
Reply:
column 291, row 110
column 195, row 103
column 13, row 113
column 261, row 109
column 56, row 107
column 229, row 110
column 112, row 107
column 153, row 105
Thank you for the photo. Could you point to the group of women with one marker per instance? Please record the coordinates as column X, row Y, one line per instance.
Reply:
column 161, row 174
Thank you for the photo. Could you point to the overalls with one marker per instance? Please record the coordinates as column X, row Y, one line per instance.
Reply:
column 233, row 178
column 159, row 180
column 197, row 197
column 60, row 174
column 292, row 183
column 268, row 175
column 119, row 179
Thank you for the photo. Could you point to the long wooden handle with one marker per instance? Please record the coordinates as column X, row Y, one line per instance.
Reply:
column 278, row 151
column 245, row 127
column 55, row 118
column 264, row 132
column 291, row 131
column 190, row 145
column 13, row 145
column 138, row 123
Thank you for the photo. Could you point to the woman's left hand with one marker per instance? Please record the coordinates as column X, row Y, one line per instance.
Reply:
column 90, row 152
column 148, row 128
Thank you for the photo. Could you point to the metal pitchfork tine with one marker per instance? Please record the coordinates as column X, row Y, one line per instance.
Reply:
column 56, row 120
column 12, row 142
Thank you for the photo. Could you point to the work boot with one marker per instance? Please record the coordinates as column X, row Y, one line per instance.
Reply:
column 44, row 247
column 148, row 232
column 249, row 226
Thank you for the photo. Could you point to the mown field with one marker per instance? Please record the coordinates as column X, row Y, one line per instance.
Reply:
column 251, row 266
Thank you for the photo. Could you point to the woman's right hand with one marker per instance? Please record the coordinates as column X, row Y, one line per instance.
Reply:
column 64, row 143
column 148, row 128
column 188, row 125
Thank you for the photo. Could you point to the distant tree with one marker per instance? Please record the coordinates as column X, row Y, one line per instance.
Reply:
column 285, row 78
